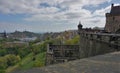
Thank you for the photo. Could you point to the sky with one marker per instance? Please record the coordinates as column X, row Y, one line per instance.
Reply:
column 52, row 15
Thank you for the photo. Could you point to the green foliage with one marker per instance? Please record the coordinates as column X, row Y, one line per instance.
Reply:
column 40, row 48
column 12, row 59
column 3, row 52
column 2, row 71
column 58, row 40
column 73, row 41
column 22, row 57
column 21, row 51
column 26, row 62
column 8, row 60
column 40, row 60
column 3, row 63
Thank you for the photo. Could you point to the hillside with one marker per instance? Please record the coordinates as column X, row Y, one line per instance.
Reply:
column 26, row 55
column 23, row 34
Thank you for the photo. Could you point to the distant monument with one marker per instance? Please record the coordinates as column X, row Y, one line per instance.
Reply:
column 113, row 20
column 4, row 34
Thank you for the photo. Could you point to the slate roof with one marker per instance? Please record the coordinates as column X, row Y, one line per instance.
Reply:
column 115, row 10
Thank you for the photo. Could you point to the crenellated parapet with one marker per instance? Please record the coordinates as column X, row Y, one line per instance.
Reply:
column 95, row 42
column 110, row 39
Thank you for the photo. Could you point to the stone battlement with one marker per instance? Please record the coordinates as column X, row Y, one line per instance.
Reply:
column 61, row 53
column 95, row 42
column 112, row 39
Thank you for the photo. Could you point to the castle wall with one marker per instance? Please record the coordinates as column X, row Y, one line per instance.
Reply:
column 112, row 23
column 94, row 44
column 91, row 44
column 61, row 53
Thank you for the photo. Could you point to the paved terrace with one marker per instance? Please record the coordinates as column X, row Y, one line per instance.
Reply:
column 108, row 63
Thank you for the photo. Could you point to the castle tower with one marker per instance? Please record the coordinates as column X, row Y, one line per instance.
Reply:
column 113, row 20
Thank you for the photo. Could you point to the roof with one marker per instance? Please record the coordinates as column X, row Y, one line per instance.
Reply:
column 108, row 63
column 115, row 10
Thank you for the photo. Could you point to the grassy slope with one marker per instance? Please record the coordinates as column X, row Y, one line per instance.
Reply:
column 27, row 62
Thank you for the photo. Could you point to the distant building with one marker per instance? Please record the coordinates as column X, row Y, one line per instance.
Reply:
column 3, row 35
column 113, row 19
column 27, row 39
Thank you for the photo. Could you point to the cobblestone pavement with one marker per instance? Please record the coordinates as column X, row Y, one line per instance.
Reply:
column 108, row 63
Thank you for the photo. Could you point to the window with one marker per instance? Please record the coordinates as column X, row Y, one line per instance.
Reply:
column 50, row 49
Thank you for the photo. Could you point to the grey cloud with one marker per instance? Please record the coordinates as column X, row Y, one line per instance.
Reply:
column 72, row 15
column 73, row 10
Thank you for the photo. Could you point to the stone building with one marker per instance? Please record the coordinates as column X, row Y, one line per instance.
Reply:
column 113, row 19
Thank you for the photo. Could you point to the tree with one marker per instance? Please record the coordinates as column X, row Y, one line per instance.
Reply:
column 12, row 59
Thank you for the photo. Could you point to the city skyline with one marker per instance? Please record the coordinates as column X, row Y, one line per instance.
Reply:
column 52, row 16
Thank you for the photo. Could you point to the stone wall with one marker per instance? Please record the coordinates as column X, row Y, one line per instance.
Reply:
column 92, row 44
column 113, row 20
column 112, row 23
column 61, row 53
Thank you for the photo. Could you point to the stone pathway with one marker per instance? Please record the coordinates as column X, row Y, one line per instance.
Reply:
column 108, row 63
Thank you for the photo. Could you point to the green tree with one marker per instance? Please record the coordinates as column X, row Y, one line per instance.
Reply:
column 73, row 41
column 12, row 59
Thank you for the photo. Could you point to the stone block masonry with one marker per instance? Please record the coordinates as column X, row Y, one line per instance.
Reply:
column 113, row 20
column 61, row 53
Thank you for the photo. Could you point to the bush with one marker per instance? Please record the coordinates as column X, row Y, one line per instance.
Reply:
column 2, row 71
column 3, row 63
column 12, row 59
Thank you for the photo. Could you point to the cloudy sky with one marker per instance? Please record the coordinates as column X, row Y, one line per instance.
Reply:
column 52, row 15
